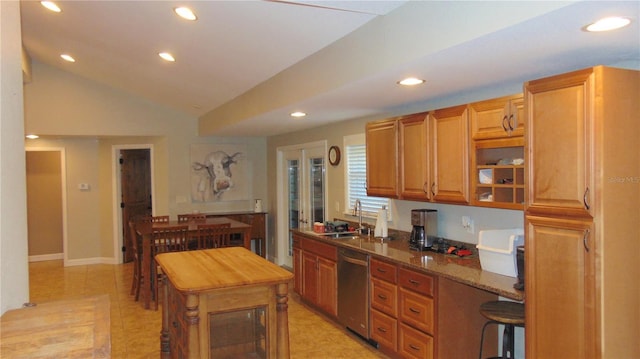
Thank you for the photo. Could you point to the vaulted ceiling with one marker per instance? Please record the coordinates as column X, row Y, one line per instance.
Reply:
column 244, row 66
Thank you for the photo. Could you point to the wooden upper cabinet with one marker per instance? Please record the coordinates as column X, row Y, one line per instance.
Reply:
column 449, row 139
column 382, row 158
column 497, row 118
column 414, row 157
column 558, row 158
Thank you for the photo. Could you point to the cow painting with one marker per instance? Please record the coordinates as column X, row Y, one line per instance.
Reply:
column 215, row 174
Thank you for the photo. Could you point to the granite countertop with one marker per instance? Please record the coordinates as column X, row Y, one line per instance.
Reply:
column 465, row 270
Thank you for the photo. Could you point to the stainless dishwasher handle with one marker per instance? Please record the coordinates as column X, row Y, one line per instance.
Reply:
column 355, row 261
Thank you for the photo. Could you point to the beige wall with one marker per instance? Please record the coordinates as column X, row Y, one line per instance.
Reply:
column 88, row 120
column 44, row 202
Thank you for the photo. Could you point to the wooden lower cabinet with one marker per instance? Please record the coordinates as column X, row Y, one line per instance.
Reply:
column 402, row 310
column 316, row 273
column 417, row 310
column 414, row 343
column 384, row 330
column 554, row 243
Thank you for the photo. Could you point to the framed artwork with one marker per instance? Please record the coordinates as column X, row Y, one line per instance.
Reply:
column 219, row 172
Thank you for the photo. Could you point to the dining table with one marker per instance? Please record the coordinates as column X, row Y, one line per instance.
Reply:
column 145, row 231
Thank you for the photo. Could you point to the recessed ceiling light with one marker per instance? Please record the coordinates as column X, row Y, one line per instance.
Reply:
column 32, row 137
column 167, row 56
column 185, row 13
column 67, row 57
column 298, row 114
column 608, row 23
column 50, row 5
column 411, row 81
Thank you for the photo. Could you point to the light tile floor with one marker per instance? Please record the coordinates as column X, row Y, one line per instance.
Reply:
column 135, row 332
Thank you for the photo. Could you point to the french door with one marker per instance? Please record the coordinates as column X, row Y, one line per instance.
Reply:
column 301, row 192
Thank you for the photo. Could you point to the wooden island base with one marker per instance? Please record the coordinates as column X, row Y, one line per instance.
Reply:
column 225, row 302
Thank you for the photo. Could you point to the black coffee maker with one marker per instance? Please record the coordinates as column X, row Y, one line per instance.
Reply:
column 425, row 228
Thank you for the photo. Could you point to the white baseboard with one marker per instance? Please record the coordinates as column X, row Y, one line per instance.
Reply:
column 46, row 257
column 87, row 261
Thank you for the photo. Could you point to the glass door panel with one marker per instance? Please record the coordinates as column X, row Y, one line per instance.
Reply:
column 303, row 194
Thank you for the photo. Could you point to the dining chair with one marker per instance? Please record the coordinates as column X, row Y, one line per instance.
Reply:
column 137, row 281
column 154, row 219
column 214, row 235
column 167, row 239
column 192, row 217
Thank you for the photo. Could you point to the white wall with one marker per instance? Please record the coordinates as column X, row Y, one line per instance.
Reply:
column 14, row 273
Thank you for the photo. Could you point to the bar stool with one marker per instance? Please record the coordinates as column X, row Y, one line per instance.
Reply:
column 511, row 315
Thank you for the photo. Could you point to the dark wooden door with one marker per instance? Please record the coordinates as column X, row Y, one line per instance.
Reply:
column 135, row 182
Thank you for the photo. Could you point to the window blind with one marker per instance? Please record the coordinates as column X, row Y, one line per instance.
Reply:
column 356, row 167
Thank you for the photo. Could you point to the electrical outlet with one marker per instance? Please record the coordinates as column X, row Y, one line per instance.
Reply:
column 470, row 227
column 467, row 223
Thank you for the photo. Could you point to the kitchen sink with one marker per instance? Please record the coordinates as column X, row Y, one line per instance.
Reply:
column 340, row 235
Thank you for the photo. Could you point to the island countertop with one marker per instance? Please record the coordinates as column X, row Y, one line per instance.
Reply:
column 196, row 271
column 465, row 270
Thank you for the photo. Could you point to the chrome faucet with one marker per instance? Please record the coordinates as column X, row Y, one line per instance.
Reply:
column 357, row 209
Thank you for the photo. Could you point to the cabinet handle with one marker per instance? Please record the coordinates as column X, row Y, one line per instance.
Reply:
column 511, row 123
column 380, row 329
column 414, row 347
column 381, row 270
column 424, row 188
column 414, row 282
column 414, row 310
column 585, row 240
column 433, row 190
column 504, row 121
column 585, row 198
column 383, row 297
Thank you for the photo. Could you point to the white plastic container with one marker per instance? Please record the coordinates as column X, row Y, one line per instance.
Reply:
column 497, row 250
column 485, row 176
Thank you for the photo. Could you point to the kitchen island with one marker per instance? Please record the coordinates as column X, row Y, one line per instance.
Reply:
column 422, row 304
column 223, row 302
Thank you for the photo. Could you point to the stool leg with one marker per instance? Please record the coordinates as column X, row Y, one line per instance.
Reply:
column 482, row 336
column 508, row 341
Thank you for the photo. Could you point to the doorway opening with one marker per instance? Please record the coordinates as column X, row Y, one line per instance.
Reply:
column 133, row 194
column 302, row 193
column 46, row 203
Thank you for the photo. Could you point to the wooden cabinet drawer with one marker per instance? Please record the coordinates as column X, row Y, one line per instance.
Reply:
column 416, row 310
column 417, row 282
column 384, row 296
column 384, row 330
column 383, row 270
column 414, row 344
column 297, row 242
column 322, row 249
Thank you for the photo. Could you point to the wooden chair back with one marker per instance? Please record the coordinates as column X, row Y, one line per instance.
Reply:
column 154, row 219
column 191, row 217
column 135, row 247
column 169, row 239
column 137, row 260
column 214, row 235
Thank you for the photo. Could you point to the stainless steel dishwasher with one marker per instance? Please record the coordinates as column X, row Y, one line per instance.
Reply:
column 353, row 291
